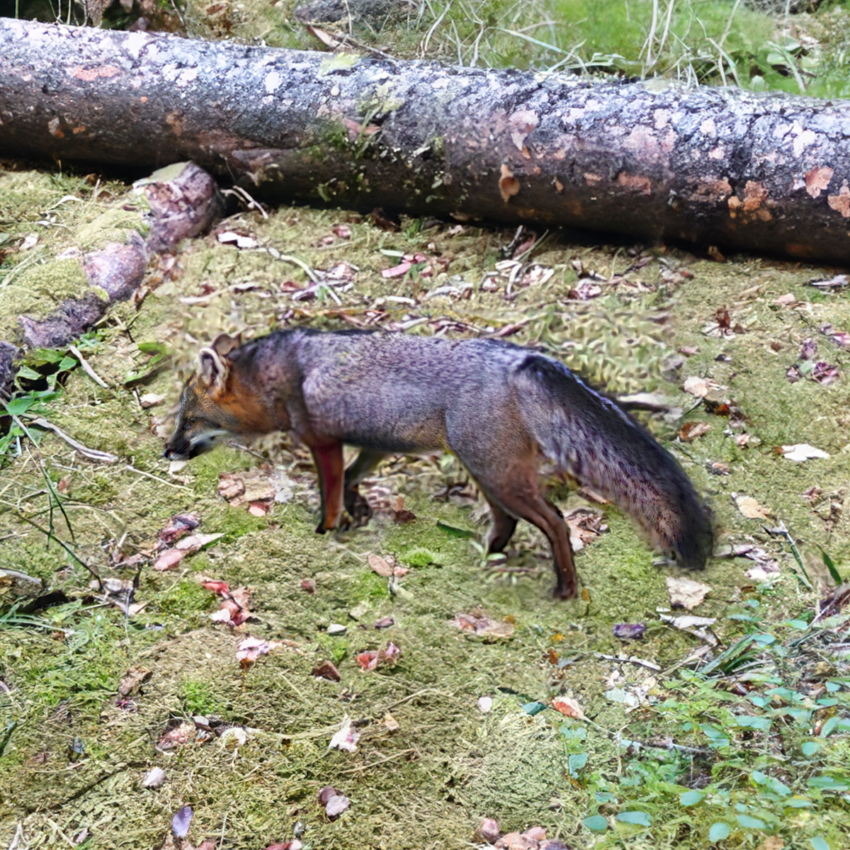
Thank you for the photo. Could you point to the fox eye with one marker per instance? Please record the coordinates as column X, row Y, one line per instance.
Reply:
column 191, row 421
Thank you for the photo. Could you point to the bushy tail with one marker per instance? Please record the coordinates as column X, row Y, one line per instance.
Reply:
column 590, row 437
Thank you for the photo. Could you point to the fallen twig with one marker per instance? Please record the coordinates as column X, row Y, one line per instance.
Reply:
column 91, row 454
column 86, row 367
column 632, row 659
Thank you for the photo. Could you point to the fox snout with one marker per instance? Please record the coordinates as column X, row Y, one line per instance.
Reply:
column 186, row 444
column 179, row 445
column 177, row 450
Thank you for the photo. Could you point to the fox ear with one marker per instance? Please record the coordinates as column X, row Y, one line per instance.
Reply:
column 212, row 370
column 223, row 344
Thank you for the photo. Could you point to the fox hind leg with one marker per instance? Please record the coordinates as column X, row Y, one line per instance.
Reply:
column 504, row 461
column 513, row 493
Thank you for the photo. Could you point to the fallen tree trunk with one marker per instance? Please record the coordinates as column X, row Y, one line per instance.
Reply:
column 715, row 166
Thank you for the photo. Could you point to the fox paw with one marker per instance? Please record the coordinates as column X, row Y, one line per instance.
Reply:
column 559, row 592
column 342, row 523
column 357, row 509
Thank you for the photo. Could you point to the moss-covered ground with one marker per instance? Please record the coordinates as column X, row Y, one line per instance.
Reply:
column 75, row 752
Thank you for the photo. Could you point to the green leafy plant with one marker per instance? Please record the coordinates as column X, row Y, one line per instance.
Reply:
column 751, row 752
column 22, row 404
column 160, row 358
column 45, row 364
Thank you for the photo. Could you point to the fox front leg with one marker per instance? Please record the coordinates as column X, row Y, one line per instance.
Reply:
column 329, row 465
column 357, row 507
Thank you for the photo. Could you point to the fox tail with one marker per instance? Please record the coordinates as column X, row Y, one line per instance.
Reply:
column 591, row 438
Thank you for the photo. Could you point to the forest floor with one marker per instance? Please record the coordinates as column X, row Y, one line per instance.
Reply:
column 737, row 724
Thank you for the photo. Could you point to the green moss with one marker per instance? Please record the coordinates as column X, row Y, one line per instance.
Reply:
column 199, row 697
column 418, row 556
column 336, row 648
column 40, row 289
column 535, row 773
column 369, row 587
column 338, row 62
column 187, row 597
column 113, row 225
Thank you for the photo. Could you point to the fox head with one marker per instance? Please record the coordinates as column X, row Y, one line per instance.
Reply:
column 208, row 411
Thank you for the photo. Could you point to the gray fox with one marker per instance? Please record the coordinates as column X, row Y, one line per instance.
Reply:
column 498, row 407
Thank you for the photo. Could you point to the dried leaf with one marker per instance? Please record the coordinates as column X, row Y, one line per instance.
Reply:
column 194, row 542
column 488, row 830
column 397, row 271
column 240, row 240
column 825, row 373
column 585, row 290
column 691, row 430
column 347, row 737
column 334, row 802
column 169, row 559
column 379, row 565
column 686, row 593
column 336, row 805
column 801, row 452
column 568, row 707
column 251, row 648
column 221, row 616
column 327, row 670
column 696, row 387
column 256, row 486
column 628, row 631
column 221, row 588
column 835, row 282
column 176, row 734
column 808, row 349
column 154, row 778
column 181, row 821
column 150, row 400
column 483, row 626
column 750, row 508
column 690, row 621
column 372, row 659
column 133, row 680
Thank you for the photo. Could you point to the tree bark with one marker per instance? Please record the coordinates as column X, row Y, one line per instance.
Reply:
column 716, row 166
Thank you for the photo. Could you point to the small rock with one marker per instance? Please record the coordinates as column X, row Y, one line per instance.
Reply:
column 154, row 779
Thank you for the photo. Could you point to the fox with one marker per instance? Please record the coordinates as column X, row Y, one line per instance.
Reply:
column 502, row 409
